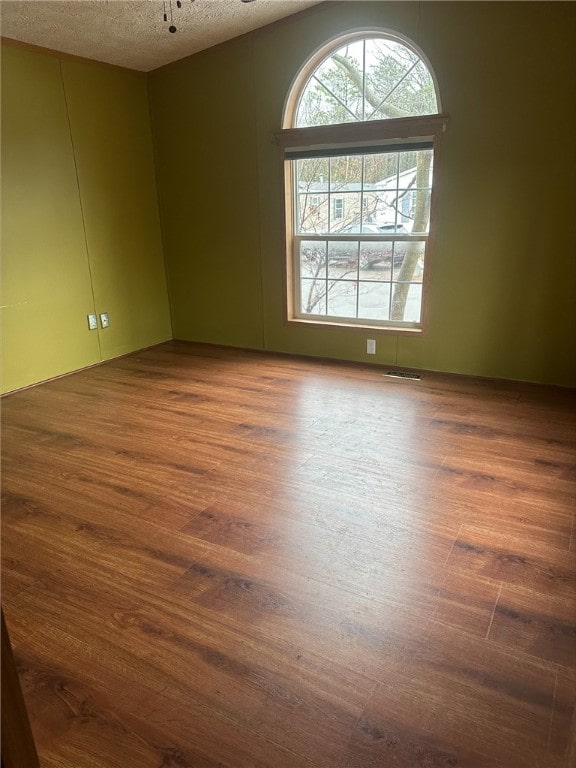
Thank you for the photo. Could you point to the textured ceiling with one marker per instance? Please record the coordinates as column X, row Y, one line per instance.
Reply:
column 132, row 33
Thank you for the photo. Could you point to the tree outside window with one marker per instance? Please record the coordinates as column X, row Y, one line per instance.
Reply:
column 360, row 221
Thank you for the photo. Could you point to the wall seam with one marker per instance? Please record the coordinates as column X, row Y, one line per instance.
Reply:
column 159, row 203
column 259, row 191
column 80, row 199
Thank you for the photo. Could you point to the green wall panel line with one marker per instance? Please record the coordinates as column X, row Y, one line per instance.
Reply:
column 46, row 291
column 112, row 140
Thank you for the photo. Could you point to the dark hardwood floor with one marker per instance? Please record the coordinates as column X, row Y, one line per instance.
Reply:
column 221, row 559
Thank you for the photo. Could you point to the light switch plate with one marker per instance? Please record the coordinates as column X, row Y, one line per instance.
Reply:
column 104, row 319
column 371, row 346
column 92, row 322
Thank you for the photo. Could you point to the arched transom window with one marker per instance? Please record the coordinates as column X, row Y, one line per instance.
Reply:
column 361, row 126
column 375, row 78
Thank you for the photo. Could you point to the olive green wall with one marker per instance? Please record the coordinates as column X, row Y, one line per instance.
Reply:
column 46, row 289
column 110, row 123
column 80, row 225
column 206, row 149
column 503, row 271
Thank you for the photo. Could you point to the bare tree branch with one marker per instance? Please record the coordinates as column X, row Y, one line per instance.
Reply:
column 371, row 97
column 421, row 215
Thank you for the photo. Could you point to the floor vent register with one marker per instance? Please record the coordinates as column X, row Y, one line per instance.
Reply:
column 403, row 375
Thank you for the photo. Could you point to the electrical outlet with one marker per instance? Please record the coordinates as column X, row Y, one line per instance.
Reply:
column 104, row 319
column 92, row 322
column 371, row 346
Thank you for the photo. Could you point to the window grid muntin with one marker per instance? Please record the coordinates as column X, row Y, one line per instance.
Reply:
column 358, row 320
column 400, row 188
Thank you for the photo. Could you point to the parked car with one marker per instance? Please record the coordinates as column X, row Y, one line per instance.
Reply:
column 371, row 252
column 368, row 228
column 344, row 253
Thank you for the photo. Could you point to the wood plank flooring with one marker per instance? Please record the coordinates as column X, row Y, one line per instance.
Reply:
column 221, row 559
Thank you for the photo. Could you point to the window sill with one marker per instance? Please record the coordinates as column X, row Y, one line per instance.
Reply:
column 396, row 330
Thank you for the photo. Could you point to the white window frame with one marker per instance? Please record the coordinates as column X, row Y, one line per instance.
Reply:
column 394, row 132
column 337, row 208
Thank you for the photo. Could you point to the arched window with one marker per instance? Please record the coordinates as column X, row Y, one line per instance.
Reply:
column 361, row 125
